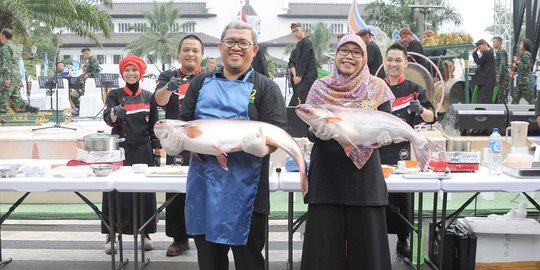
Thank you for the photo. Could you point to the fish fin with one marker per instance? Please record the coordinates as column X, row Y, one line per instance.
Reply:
column 423, row 154
column 348, row 147
column 219, row 150
column 222, row 160
column 333, row 119
column 193, row 131
column 303, row 182
column 375, row 145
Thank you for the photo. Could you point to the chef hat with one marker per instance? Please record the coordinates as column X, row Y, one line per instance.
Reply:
column 135, row 61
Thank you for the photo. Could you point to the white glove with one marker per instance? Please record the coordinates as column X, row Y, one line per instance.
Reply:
column 384, row 138
column 325, row 132
column 255, row 144
column 172, row 141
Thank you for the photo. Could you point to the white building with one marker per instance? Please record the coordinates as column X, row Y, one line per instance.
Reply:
column 271, row 19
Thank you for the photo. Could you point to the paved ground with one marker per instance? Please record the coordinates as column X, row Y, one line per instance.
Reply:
column 77, row 244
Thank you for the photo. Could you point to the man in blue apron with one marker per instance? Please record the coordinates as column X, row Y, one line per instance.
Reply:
column 228, row 209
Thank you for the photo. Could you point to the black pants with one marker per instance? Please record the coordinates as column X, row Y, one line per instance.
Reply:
column 341, row 237
column 399, row 202
column 302, row 90
column 485, row 93
column 134, row 154
column 175, row 218
column 212, row 256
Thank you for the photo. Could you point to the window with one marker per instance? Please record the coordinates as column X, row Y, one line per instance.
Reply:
column 117, row 58
column 336, row 28
column 307, row 27
column 188, row 27
column 101, row 59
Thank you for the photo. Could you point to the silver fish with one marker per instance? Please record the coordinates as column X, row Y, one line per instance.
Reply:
column 356, row 126
column 221, row 136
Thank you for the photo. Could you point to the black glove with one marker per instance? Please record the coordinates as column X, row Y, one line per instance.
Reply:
column 174, row 84
column 119, row 111
column 416, row 107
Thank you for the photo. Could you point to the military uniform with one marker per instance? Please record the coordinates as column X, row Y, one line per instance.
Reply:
column 501, row 67
column 92, row 67
column 524, row 79
column 9, row 70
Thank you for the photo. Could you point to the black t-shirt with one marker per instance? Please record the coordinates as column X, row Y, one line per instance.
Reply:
column 172, row 108
column 405, row 91
column 375, row 60
column 334, row 179
column 305, row 62
column 268, row 106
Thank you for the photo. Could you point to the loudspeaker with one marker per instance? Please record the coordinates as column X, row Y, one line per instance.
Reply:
column 295, row 126
column 476, row 119
column 524, row 113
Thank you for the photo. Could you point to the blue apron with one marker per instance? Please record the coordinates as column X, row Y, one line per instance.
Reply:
column 219, row 203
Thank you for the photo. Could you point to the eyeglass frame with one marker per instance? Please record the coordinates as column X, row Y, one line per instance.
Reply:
column 350, row 52
column 237, row 43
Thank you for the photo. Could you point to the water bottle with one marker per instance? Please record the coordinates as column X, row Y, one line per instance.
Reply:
column 495, row 153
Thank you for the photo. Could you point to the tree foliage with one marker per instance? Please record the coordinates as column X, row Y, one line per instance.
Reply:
column 78, row 16
column 392, row 15
column 320, row 37
column 161, row 37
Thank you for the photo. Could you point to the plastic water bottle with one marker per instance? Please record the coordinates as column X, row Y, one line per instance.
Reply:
column 495, row 153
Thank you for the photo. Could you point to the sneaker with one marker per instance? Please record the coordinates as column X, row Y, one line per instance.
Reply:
column 31, row 109
column 177, row 248
column 148, row 244
column 108, row 248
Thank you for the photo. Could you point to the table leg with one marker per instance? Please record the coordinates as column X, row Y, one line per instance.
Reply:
column 443, row 229
column 420, row 231
column 290, row 230
column 119, row 229
column 3, row 218
column 135, row 231
column 112, row 237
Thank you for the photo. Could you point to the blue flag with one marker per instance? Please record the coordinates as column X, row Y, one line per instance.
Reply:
column 45, row 65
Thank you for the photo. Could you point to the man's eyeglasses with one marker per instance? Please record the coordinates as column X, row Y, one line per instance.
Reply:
column 242, row 44
column 345, row 52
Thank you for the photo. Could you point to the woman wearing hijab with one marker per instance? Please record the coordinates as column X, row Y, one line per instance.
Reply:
column 132, row 113
column 346, row 223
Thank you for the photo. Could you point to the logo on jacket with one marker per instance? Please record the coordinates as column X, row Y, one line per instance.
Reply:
column 252, row 96
column 403, row 154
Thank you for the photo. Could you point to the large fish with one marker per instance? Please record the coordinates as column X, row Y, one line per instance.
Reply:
column 221, row 136
column 356, row 126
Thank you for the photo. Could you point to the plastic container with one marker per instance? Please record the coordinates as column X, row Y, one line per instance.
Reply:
column 495, row 153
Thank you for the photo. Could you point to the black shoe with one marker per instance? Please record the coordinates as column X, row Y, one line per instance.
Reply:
column 403, row 248
column 177, row 248
column 31, row 109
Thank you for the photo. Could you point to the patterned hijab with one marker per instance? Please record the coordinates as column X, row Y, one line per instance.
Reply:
column 360, row 89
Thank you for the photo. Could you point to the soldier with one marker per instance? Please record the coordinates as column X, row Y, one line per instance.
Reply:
column 501, row 67
column 92, row 66
column 524, row 69
column 10, row 79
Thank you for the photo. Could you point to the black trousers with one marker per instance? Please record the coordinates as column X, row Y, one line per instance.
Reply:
column 175, row 218
column 212, row 256
column 341, row 237
column 485, row 93
column 399, row 202
column 302, row 91
column 134, row 154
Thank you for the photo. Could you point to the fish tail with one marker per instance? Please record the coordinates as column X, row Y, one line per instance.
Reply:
column 423, row 154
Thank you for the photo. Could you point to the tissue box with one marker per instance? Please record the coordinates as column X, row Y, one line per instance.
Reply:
column 505, row 243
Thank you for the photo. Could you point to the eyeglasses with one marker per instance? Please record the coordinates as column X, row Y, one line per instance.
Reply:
column 345, row 52
column 242, row 44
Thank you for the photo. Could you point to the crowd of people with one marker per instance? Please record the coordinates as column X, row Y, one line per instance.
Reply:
column 350, row 211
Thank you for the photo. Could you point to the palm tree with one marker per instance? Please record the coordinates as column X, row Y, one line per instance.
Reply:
column 78, row 16
column 392, row 15
column 160, row 38
column 320, row 37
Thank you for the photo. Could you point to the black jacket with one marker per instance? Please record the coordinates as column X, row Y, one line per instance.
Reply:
column 485, row 71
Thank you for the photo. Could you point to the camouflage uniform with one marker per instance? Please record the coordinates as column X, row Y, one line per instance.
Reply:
column 92, row 67
column 524, row 89
column 9, row 70
column 501, row 67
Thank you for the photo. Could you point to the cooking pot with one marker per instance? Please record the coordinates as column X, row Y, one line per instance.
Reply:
column 101, row 142
column 458, row 144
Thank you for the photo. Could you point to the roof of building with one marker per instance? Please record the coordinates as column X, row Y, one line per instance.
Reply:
column 131, row 10
column 289, row 39
column 319, row 10
column 121, row 40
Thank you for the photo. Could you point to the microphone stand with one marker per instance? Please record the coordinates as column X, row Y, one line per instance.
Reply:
column 51, row 84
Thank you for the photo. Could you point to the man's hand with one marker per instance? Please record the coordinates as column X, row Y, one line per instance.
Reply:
column 297, row 79
column 7, row 83
column 119, row 111
column 324, row 132
column 172, row 141
column 255, row 144
column 384, row 138
column 416, row 107
column 174, row 84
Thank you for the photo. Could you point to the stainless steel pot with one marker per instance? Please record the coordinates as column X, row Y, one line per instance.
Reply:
column 458, row 144
column 101, row 142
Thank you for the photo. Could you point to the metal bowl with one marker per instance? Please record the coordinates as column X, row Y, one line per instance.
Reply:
column 102, row 169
